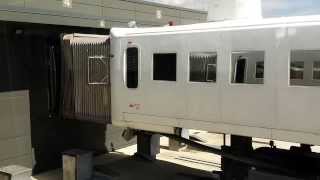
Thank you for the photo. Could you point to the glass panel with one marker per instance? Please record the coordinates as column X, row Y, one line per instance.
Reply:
column 305, row 68
column 165, row 67
column 316, row 70
column 296, row 70
column 203, row 67
column 247, row 67
column 132, row 67
column 260, row 70
column 211, row 73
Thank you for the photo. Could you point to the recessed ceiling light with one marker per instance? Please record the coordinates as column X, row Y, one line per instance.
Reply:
column 159, row 14
column 103, row 23
column 67, row 3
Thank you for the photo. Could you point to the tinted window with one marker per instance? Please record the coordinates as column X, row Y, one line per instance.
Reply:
column 260, row 70
column 305, row 68
column 203, row 67
column 164, row 67
column 248, row 67
column 296, row 70
column 132, row 67
column 316, row 70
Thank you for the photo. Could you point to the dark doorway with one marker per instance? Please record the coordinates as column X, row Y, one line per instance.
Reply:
column 240, row 70
column 30, row 58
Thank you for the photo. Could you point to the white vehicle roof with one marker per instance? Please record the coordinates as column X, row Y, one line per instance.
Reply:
column 220, row 26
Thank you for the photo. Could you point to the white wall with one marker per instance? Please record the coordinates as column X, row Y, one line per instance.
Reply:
column 90, row 13
column 234, row 9
column 15, row 135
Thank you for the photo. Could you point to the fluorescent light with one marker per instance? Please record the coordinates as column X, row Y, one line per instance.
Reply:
column 132, row 24
column 159, row 14
column 67, row 3
column 103, row 23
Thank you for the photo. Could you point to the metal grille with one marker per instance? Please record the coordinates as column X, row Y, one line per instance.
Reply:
column 86, row 74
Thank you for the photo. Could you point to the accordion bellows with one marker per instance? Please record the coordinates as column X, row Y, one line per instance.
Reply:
column 86, row 78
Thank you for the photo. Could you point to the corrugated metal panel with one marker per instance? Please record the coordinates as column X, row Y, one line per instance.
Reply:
column 86, row 88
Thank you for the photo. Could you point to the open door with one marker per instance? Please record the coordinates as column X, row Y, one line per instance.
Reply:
column 86, row 78
column 240, row 70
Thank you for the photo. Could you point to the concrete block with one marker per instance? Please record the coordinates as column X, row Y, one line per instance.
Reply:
column 15, row 140
column 15, row 173
column 77, row 165
column 148, row 145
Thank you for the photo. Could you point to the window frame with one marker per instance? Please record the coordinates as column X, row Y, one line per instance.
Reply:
column 106, row 77
column 152, row 66
column 125, row 67
column 231, row 78
column 207, row 74
column 235, row 70
column 189, row 70
column 308, row 81
column 303, row 73
column 255, row 70
column 313, row 71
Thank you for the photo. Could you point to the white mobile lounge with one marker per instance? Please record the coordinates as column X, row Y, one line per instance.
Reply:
column 244, row 78
column 256, row 79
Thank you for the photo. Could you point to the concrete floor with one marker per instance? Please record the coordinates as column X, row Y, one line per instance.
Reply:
column 186, row 164
column 51, row 175
column 131, row 167
column 170, row 165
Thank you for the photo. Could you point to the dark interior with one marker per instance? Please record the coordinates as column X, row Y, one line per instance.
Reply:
column 240, row 70
column 132, row 67
column 165, row 67
column 30, row 58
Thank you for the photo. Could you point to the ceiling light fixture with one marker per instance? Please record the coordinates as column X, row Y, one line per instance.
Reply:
column 67, row 3
column 159, row 14
column 103, row 23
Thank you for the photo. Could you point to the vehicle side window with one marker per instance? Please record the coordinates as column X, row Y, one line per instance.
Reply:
column 203, row 67
column 165, row 66
column 305, row 68
column 296, row 70
column 132, row 67
column 248, row 67
column 316, row 70
column 259, row 70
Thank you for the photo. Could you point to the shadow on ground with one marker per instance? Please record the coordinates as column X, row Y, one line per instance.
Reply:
column 123, row 167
